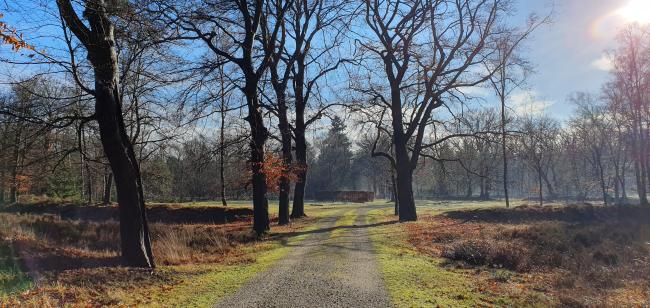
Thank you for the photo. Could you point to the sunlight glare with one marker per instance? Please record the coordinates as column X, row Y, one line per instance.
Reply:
column 636, row 11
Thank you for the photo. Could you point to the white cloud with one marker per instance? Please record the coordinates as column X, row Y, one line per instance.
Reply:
column 528, row 103
column 604, row 63
column 476, row 91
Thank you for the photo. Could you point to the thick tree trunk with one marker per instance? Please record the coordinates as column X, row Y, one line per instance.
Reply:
column 259, row 135
column 285, row 184
column 298, row 209
column 100, row 45
column 134, row 231
column 407, row 210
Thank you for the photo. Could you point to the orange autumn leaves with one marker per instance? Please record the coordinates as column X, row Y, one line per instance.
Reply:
column 274, row 169
column 10, row 36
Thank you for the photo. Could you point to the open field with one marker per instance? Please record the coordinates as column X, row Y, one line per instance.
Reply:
column 458, row 254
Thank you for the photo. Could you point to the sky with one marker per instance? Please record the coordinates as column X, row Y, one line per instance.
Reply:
column 569, row 54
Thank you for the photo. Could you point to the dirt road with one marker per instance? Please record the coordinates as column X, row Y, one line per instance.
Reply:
column 334, row 266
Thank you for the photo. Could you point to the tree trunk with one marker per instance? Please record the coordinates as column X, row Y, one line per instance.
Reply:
column 639, row 170
column 549, row 185
column 285, row 184
column 503, row 146
column 394, row 191
column 134, row 231
column 298, row 209
column 259, row 134
column 300, row 129
column 407, row 210
column 601, row 177
column 85, row 171
column 541, row 191
column 222, row 140
column 13, row 190
column 89, row 184
column 100, row 45
column 108, row 183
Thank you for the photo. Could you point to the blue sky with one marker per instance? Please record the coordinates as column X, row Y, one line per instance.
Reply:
column 569, row 54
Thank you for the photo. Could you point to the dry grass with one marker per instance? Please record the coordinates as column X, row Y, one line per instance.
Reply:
column 78, row 261
column 581, row 255
column 47, row 261
column 46, row 237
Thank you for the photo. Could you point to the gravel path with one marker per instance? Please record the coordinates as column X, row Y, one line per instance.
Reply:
column 324, row 270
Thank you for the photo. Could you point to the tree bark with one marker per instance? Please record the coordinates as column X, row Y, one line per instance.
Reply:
column 259, row 135
column 298, row 209
column 100, row 45
column 407, row 211
column 285, row 183
column 222, row 140
column 300, row 128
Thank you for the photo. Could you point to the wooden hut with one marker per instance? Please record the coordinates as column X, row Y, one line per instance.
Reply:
column 345, row 196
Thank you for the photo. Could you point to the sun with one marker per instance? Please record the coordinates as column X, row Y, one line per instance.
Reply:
column 636, row 11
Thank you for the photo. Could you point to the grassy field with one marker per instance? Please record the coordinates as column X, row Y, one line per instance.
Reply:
column 475, row 254
column 458, row 254
column 72, row 262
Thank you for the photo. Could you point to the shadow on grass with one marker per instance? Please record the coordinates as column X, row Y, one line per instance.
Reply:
column 32, row 256
column 572, row 214
column 330, row 229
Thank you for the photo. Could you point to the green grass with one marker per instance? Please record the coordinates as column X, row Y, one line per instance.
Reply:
column 12, row 279
column 214, row 282
column 204, row 290
column 415, row 280
column 346, row 220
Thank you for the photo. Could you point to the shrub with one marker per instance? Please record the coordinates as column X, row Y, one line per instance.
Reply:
column 496, row 254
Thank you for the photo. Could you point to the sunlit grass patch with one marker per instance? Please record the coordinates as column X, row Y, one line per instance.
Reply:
column 416, row 280
column 345, row 221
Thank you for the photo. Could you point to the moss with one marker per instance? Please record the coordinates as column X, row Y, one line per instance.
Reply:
column 343, row 223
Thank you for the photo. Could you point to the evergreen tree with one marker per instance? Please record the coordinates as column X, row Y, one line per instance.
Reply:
column 332, row 170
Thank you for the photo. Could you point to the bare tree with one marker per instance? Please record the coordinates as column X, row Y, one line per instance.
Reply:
column 593, row 129
column 240, row 22
column 632, row 81
column 428, row 51
column 538, row 145
column 99, row 42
